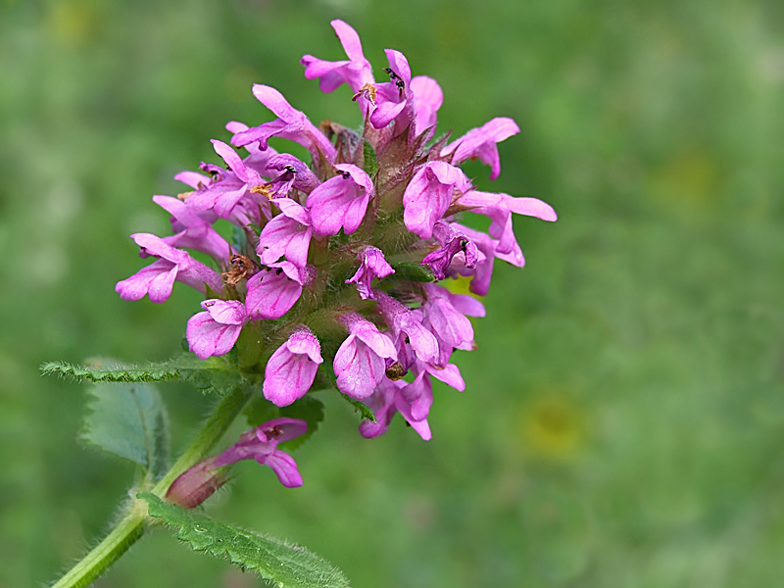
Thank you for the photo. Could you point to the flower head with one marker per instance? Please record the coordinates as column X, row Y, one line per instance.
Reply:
column 340, row 264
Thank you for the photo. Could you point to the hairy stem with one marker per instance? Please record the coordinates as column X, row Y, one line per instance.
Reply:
column 132, row 526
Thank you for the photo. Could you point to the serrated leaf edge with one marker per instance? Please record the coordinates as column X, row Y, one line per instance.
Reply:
column 157, row 508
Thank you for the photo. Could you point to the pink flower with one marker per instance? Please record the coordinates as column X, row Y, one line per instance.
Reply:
column 287, row 234
column 199, row 482
column 481, row 143
column 293, row 171
column 428, row 98
column 195, row 180
column 356, row 72
column 393, row 100
column 341, row 201
column 193, row 231
column 368, row 197
column 261, row 444
column 215, row 332
column 224, row 195
column 450, row 327
column 272, row 293
column 402, row 320
column 359, row 363
column 372, row 265
column 452, row 243
column 157, row 279
column 483, row 272
column 387, row 400
column 429, row 194
column 500, row 207
column 258, row 159
column 292, row 368
column 291, row 124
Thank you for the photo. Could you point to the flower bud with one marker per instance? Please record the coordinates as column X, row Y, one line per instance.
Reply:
column 196, row 484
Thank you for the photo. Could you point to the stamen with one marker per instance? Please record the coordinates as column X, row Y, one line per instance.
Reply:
column 242, row 267
column 368, row 91
column 263, row 189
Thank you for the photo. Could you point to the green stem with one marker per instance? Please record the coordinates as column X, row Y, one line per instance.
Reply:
column 132, row 526
column 210, row 433
column 108, row 551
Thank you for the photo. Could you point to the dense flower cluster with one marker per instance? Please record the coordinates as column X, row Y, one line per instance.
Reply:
column 339, row 260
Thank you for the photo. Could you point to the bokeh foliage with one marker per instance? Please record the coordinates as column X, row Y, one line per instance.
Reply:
column 624, row 415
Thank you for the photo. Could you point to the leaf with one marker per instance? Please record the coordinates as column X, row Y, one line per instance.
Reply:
column 211, row 374
column 370, row 163
column 129, row 420
column 239, row 240
column 260, row 410
column 286, row 564
column 117, row 373
column 307, row 408
column 331, row 384
column 363, row 410
column 411, row 272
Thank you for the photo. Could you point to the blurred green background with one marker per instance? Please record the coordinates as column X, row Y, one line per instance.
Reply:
column 623, row 423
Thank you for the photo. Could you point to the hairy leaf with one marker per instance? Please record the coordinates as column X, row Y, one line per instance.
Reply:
column 307, row 408
column 214, row 373
column 129, row 420
column 116, row 373
column 286, row 564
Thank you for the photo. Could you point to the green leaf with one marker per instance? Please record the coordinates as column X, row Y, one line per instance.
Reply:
column 239, row 240
column 331, row 384
column 215, row 373
column 307, row 408
column 286, row 564
column 370, row 164
column 411, row 272
column 114, row 373
column 363, row 410
column 129, row 420
column 261, row 410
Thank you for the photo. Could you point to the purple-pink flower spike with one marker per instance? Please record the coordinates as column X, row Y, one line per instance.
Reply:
column 321, row 283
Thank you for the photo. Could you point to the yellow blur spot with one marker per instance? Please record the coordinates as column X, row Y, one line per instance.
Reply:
column 460, row 285
column 72, row 23
column 552, row 428
column 691, row 178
